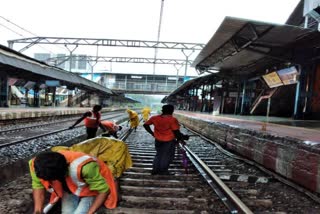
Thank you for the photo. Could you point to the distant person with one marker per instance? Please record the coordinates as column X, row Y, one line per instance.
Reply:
column 133, row 119
column 111, row 127
column 92, row 120
column 166, row 131
column 82, row 182
column 145, row 113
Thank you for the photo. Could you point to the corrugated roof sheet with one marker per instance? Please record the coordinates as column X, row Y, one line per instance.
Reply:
column 22, row 63
column 248, row 45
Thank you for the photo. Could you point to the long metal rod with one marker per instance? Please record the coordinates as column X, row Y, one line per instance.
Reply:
column 63, row 59
column 235, row 205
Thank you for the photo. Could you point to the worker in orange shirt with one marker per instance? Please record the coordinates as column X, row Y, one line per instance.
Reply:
column 92, row 120
column 111, row 127
column 166, row 132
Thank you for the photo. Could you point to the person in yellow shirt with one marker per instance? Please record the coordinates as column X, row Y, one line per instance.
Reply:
column 145, row 113
column 133, row 119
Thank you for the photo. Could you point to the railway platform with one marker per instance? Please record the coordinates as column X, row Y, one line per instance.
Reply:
column 26, row 112
column 291, row 151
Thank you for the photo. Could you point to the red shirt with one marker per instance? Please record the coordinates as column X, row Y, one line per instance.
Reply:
column 92, row 119
column 164, row 125
column 109, row 125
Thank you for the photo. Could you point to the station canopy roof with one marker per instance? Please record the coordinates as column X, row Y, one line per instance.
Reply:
column 22, row 67
column 246, row 48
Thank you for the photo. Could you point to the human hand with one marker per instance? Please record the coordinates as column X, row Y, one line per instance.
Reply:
column 105, row 134
column 185, row 137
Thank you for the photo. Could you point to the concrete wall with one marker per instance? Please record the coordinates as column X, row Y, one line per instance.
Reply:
column 289, row 157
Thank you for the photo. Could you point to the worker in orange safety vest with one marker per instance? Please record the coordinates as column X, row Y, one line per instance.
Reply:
column 92, row 120
column 83, row 182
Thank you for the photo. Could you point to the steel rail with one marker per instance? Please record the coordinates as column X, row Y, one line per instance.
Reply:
column 41, row 135
column 232, row 201
column 49, row 123
column 250, row 162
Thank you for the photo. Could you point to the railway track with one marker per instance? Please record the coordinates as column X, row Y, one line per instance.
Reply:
column 189, row 190
column 185, row 190
column 22, row 134
column 142, row 192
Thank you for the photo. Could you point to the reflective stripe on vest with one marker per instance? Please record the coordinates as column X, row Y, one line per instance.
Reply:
column 73, row 171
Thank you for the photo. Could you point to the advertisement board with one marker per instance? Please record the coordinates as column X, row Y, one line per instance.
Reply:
column 272, row 79
column 288, row 75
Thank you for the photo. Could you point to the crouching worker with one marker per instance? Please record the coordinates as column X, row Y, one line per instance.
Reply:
column 82, row 182
column 111, row 127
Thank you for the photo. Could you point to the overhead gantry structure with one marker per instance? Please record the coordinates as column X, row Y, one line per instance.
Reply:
column 76, row 42
column 104, row 42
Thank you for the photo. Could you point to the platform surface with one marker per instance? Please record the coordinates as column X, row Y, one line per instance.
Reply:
column 305, row 130
column 32, row 112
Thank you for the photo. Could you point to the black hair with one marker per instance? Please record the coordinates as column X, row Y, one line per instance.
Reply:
column 167, row 109
column 120, row 127
column 97, row 108
column 50, row 166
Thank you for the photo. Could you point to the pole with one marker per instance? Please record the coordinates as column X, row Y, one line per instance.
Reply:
column 158, row 38
column 186, row 65
column 70, row 56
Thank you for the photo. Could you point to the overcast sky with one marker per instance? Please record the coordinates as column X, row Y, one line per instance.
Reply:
column 183, row 21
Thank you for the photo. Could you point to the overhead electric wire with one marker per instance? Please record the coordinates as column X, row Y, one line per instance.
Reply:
column 21, row 28
column 11, row 30
column 18, row 26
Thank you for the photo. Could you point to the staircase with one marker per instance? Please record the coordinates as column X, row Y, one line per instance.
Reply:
column 265, row 94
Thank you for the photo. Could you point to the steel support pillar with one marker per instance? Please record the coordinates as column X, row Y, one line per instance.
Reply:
column 27, row 97
column 36, row 96
column 297, row 112
column 70, row 98
column 243, row 97
column 268, row 106
column 54, row 101
column 4, row 91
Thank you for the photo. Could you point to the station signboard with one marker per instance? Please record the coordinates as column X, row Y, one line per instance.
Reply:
column 52, row 83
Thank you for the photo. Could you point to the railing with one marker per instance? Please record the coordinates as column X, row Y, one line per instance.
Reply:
column 133, row 86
